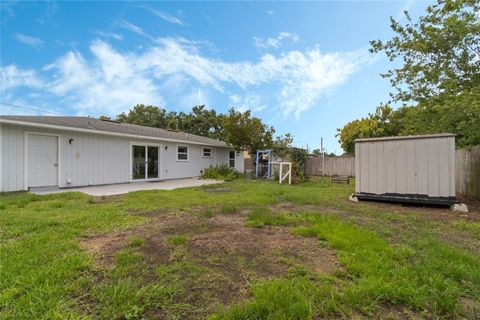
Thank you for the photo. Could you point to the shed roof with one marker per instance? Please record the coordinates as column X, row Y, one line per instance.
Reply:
column 109, row 127
column 422, row 136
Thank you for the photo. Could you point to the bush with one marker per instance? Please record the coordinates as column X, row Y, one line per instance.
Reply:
column 220, row 172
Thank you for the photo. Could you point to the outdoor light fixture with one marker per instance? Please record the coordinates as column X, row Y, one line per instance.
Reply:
column 166, row 148
column 71, row 141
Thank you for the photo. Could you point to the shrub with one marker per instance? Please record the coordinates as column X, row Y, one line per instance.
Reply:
column 220, row 172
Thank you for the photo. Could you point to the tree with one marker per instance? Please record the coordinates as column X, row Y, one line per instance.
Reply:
column 243, row 131
column 240, row 129
column 440, row 53
column 458, row 114
column 384, row 122
column 203, row 122
column 439, row 78
column 141, row 114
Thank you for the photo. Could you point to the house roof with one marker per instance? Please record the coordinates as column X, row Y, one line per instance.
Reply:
column 422, row 136
column 87, row 124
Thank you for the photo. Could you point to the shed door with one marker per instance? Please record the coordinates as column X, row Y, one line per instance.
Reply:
column 42, row 160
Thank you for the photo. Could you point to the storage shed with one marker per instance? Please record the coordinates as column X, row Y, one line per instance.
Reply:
column 410, row 169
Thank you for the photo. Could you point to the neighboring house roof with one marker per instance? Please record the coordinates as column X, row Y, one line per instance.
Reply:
column 93, row 125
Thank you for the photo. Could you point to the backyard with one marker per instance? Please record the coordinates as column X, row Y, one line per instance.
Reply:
column 244, row 249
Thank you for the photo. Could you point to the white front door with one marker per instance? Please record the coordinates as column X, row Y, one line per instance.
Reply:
column 42, row 160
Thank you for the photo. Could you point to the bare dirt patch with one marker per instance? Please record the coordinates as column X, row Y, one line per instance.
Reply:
column 234, row 255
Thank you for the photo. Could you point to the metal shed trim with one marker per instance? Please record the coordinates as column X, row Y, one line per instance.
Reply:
column 423, row 136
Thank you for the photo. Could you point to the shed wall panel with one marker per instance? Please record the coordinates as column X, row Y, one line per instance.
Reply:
column 433, row 172
column 390, row 167
column 410, row 167
column 401, row 167
column 421, row 165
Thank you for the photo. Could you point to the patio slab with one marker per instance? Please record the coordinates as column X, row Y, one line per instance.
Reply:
column 114, row 189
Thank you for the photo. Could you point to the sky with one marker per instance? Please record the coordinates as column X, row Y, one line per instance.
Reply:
column 302, row 67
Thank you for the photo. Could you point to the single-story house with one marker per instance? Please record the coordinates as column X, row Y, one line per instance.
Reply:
column 43, row 151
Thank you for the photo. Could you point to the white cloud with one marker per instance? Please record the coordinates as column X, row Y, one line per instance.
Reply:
column 246, row 102
column 270, row 12
column 114, row 81
column 165, row 16
column 275, row 42
column 111, row 35
column 12, row 77
column 197, row 97
column 29, row 40
column 130, row 26
column 109, row 84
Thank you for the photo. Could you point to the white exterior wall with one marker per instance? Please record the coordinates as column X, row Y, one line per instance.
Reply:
column 95, row 159
column 423, row 166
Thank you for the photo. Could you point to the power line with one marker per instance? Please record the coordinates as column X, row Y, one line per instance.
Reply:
column 29, row 108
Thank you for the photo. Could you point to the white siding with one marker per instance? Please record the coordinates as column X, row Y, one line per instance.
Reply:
column 423, row 166
column 95, row 159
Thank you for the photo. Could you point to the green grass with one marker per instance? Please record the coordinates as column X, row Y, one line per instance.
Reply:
column 177, row 240
column 424, row 274
column 388, row 259
column 137, row 241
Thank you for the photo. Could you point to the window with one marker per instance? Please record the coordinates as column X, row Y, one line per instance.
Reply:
column 207, row 152
column 231, row 159
column 182, row 153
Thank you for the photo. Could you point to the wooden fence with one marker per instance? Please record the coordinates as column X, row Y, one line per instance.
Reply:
column 341, row 166
column 467, row 172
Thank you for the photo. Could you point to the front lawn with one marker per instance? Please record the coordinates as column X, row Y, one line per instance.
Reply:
column 244, row 249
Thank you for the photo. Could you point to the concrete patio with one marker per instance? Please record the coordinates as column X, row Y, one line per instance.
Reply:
column 114, row 189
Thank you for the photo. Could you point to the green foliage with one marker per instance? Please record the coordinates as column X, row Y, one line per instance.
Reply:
column 137, row 242
column 384, row 122
column 422, row 273
column 459, row 115
column 260, row 217
column 282, row 299
column 246, row 132
column 229, row 208
column 439, row 52
column 220, row 172
column 177, row 240
column 439, row 78
column 299, row 164
column 389, row 256
column 240, row 129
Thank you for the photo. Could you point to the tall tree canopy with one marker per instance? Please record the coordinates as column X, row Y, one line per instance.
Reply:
column 439, row 81
column 440, row 52
column 240, row 129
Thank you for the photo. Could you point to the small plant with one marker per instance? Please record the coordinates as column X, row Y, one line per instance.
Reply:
column 137, row 242
column 229, row 208
column 208, row 213
column 177, row 240
column 220, row 172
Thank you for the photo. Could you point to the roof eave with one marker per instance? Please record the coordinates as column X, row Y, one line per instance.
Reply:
column 108, row 133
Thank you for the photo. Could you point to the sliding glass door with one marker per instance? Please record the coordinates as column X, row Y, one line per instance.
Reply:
column 145, row 162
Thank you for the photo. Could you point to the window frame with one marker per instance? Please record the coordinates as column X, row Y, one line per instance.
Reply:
column 230, row 159
column 187, row 153
column 203, row 152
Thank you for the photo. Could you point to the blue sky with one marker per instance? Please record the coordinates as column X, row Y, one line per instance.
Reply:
column 303, row 67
